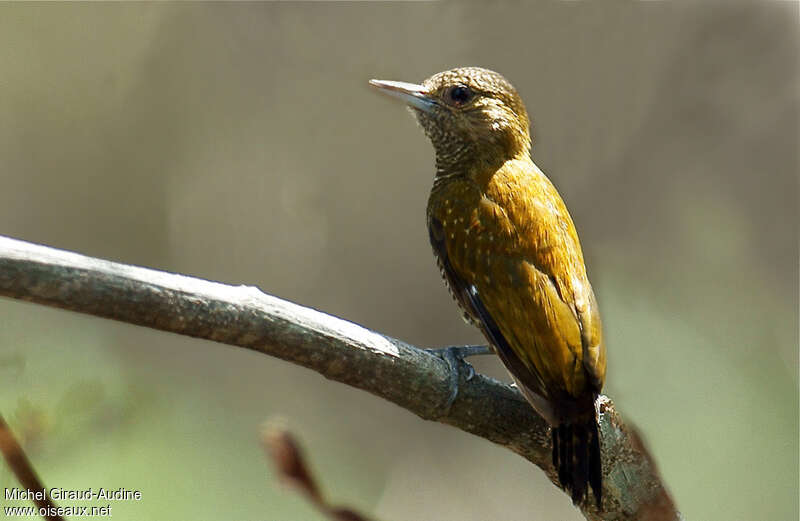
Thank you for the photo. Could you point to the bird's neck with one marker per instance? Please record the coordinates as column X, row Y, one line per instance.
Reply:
column 456, row 156
column 456, row 159
column 474, row 161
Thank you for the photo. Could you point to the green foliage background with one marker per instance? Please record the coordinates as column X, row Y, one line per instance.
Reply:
column 241, row 143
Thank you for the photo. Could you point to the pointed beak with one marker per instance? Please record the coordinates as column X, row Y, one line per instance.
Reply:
column 409, row 93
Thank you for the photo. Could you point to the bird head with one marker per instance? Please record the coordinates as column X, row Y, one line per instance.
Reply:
column 471, row 115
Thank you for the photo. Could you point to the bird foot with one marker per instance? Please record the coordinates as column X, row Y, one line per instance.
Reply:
column 455, row 358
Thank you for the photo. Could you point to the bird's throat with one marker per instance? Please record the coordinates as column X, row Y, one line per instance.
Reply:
column 455, row 157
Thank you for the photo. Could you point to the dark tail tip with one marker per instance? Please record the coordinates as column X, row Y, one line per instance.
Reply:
column 576, row 457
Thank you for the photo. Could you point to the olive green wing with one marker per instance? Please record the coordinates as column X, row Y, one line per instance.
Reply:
column 555, row 313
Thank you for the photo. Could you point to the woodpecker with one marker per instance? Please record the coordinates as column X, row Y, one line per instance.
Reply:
column 509, row 253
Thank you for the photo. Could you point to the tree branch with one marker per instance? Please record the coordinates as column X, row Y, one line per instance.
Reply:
column 339, row 350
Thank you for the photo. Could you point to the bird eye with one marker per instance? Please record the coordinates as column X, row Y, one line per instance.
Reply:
column 459, row 95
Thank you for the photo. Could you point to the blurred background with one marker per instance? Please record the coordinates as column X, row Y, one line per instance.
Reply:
column 241, row 143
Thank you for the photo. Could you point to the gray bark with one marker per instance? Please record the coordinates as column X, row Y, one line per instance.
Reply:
column 244, row 316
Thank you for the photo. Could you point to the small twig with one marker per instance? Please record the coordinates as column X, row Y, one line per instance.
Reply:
column 21, row 467
column 284, row 451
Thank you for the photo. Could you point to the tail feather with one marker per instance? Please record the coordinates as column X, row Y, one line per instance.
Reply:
column 576, row 457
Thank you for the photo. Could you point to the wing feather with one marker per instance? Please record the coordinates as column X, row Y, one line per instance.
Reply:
column 467, row 297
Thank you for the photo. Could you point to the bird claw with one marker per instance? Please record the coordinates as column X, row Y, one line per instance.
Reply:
column 455, row 358
column 470, row 370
